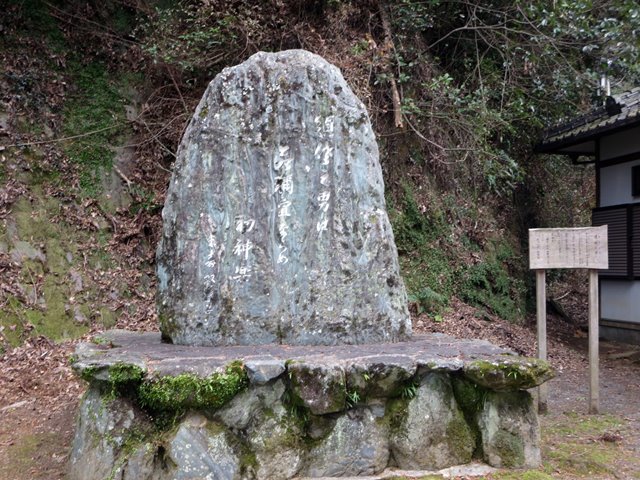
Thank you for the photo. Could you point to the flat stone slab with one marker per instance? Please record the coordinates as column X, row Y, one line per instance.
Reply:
column 485, row 363
column 470, row 470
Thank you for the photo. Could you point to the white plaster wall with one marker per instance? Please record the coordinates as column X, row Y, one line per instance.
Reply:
column 615, row 184
column 620, row 300
column 621, row 143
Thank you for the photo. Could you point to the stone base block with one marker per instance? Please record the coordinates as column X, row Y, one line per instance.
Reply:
column 157, row 411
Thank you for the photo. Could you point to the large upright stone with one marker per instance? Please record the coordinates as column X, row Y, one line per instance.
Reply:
column 275, row 228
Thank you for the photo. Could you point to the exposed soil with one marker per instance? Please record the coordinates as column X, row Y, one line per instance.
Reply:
column 39, row 396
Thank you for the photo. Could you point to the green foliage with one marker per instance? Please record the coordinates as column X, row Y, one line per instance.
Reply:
column 490, row 284
column 37, row 20
column 353, row 398
column 470, row 396
column 122, row 379
column 124, row 376
column 410, row 389
column 189, row 391
column 427, row 268
column 194, row 36
column 433, row 271
column 296, row 408
column 504, row 70
column 95, row 117
column 427, row 300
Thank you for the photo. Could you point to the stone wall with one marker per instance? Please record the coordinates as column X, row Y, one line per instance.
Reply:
column 343, row 414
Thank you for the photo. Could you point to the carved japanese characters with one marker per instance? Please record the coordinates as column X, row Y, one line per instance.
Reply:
column 275, row 228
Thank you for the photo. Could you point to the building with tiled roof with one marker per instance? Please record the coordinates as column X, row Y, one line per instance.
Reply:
column 609, row 137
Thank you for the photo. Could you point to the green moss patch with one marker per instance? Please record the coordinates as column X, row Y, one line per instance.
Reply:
column 189, row 391
column 509, row 373
column 460, row 437
column 489, row 284
column 61, row 299
column 510, row 448
column 95, row 116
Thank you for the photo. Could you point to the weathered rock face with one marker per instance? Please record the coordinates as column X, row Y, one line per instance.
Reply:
column 298, row 411
column 509, row 429
column 275, row 229
column 357, row 445
column 432, row 432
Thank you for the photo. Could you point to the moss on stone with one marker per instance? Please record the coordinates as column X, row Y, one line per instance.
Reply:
column 510, row 448
column 88, row 374
column 288, row 435
column 509, row 373
column 121, row 379
column 248, row 460
column 469, row 395
column 460, row 438
column 125, row 374
column 471, row 398
column 318, row 389
column 189, row 391
column 168, row 327
column 396, row 412
column 10, row 319
column 296, row 408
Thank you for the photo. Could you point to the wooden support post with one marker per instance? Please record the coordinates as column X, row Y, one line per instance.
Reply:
column 541, row 306
column 594, row 335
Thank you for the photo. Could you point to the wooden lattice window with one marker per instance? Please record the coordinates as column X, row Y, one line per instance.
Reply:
column 618, row 221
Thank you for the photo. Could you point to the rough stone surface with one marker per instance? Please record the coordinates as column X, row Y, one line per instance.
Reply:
column 358, row 445
column 320, row 387
column 277, row 442
column 408, row 414
column 430, row 431
column 261, row 371
column 104, row 427
column 199, row 450
column 510, row 431
column 140, row 465
column 249, row 406
column 379, row 380
column 275, row 228
column 507, row 374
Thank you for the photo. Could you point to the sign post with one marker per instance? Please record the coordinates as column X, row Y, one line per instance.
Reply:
column 569, row 248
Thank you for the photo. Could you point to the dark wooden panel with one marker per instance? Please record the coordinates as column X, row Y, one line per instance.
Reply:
column 635, row 239
column 618, row 237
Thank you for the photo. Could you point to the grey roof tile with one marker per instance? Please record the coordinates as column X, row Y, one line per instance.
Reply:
column 593, row 123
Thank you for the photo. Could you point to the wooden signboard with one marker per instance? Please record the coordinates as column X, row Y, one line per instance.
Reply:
column 569, row 248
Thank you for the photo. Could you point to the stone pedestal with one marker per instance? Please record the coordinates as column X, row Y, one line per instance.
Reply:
column 158, row 411
column 277, row 250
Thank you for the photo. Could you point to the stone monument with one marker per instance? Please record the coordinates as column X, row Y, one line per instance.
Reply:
column 275, row 226
column 288, row 350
